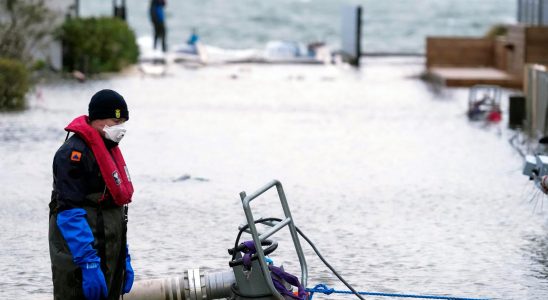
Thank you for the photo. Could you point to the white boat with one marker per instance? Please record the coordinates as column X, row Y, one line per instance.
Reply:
column 275, row 52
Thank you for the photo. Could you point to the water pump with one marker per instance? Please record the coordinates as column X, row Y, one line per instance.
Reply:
column 251, row 276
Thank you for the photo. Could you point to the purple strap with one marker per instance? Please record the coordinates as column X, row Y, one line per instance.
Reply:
column 283, row 275
column 250, row 245
column 289, row 278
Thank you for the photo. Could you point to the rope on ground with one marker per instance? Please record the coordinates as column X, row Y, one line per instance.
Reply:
column 324, row 289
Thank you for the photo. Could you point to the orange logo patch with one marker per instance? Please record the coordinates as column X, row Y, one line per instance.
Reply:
column 76, row 156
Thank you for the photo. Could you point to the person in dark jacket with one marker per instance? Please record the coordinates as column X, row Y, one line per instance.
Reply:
column 158, row 22
column 88, row 209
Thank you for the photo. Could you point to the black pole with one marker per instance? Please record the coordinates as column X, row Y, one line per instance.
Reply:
column 124, row 10
column 358, row 35
column 119, row 11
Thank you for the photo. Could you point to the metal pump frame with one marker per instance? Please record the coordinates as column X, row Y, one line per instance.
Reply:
column 258, row 238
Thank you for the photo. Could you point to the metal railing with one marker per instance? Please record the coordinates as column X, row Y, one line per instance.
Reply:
column 533, row 12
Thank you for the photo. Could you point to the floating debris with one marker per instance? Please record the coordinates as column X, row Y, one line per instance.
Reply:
column 186, row 177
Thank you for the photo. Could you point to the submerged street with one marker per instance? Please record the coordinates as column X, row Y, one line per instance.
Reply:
column 398, row 190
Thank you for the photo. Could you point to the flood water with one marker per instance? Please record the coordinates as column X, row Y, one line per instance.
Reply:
column 396, row 188
column 388, row 26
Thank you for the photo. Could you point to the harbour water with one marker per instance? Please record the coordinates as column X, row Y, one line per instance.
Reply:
column 388, row 26
column 397, row 189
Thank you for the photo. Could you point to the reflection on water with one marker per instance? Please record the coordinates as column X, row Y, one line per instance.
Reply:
column 14, row 133
column 395, row 187
column 537, row 248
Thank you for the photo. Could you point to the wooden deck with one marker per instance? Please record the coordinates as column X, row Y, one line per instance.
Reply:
column 466, row 76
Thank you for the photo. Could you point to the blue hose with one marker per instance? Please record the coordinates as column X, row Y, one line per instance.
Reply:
column 324, row 289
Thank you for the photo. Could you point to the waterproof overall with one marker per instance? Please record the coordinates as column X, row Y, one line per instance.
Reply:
column 80, row 185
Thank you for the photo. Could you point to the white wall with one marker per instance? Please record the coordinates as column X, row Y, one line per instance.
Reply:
column 53, row 52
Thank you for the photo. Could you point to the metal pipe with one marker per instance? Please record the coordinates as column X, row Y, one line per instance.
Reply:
column 193, row 285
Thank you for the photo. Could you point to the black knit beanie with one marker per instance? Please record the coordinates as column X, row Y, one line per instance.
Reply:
column 106, row 104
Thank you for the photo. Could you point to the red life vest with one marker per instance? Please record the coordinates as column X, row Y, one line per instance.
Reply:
column 112, row 165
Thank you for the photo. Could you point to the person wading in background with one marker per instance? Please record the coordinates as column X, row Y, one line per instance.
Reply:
column 158, row 22
column 88, row 209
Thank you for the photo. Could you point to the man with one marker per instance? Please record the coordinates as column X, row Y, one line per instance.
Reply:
column 158, row 22
column 88, row 208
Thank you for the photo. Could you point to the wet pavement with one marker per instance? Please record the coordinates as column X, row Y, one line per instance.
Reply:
column 387, row 176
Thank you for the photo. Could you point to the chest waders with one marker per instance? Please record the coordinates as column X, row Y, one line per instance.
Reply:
column 108, row 224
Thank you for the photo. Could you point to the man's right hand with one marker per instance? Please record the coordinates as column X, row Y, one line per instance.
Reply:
column 93, row 282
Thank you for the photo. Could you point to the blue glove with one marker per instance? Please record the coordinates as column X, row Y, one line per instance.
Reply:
column 75, row 230
column 93, row 282
column 128, row 282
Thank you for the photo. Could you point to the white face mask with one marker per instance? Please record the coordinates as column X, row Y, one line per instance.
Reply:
column 115, row 133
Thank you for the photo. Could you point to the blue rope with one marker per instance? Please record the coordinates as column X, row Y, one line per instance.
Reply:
column 322, row 288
